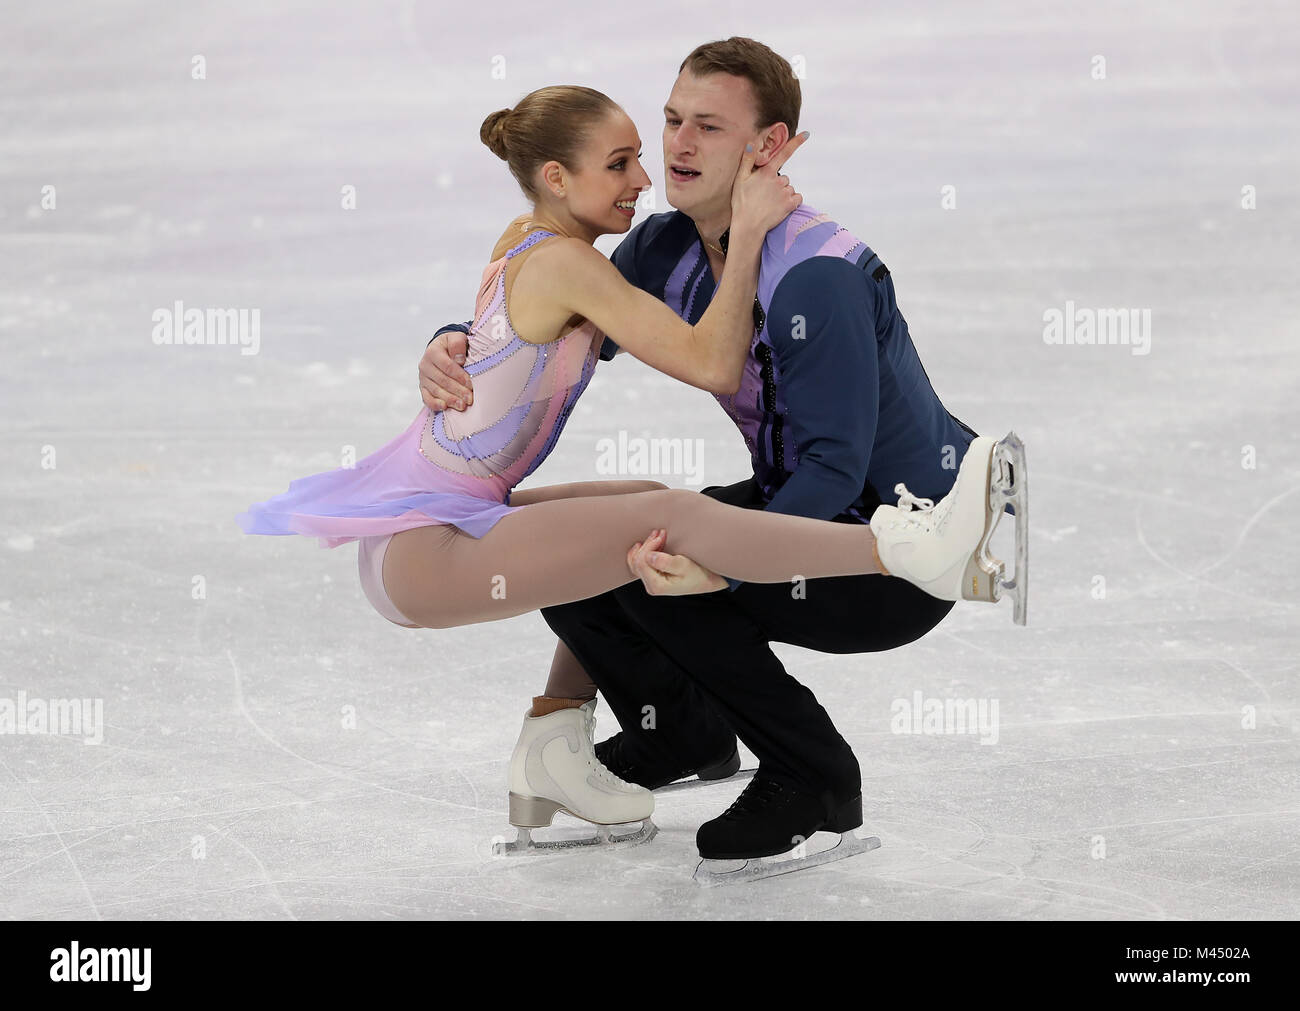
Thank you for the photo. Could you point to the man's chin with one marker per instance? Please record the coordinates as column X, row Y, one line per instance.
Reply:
column 678, row 199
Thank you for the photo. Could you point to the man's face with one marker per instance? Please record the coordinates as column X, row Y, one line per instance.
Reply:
column 707, row 123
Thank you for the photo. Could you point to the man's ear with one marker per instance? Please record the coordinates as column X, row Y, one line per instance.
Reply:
column 771, row 141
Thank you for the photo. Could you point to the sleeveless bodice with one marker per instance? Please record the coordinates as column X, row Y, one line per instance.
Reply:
column 453, row 467
column 523, row 394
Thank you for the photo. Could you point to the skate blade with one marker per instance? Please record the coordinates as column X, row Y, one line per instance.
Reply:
column 605, row 836
column 690, row 784
column 983, row 574
column 717, row 872
column 1009, row 485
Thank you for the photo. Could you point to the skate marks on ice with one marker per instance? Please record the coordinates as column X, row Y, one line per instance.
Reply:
column 955, row 863
column 1198, row 578
column 339, row 773
column 1161, row 869
column 1155, row 831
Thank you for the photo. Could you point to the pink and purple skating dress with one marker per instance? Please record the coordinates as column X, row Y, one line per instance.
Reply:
column 454, row 467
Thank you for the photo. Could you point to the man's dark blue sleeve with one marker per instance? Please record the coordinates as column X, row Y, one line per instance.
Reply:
column 462, row 327
column 821, row 321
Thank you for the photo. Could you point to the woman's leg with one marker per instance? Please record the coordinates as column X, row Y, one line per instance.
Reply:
column 554, row 552
column 581, row 489
column 568, row 679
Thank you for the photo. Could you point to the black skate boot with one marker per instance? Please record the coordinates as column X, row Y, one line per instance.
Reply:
column 612, row 753
column 773, row 817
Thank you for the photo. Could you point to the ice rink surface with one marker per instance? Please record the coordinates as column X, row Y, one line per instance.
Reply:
column 274, row 749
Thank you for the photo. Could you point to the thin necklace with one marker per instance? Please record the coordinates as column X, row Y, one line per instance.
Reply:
column 721, row 250
column 530, row 224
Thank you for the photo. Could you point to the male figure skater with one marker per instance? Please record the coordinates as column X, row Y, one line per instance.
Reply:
column 836, row 409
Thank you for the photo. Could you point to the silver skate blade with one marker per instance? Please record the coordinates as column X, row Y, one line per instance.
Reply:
column 605, row 836
column 1009, row 485
column 719, row 872
column 739, row 776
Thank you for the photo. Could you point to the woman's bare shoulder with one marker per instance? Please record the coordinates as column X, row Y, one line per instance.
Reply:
column 509, row 238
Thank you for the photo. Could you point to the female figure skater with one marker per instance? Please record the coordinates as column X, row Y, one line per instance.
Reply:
column 443, row 542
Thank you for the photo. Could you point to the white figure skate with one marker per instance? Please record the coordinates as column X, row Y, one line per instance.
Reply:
column 554, row 768
column 943, row 548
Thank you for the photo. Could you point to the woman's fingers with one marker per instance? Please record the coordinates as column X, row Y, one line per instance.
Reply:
column 745, row 168
column 790, row 147
column 641, row 562
column 746, row 161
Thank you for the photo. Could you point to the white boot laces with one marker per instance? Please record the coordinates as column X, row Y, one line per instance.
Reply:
column 914, row 512
column 599, row 769
column 589, row 733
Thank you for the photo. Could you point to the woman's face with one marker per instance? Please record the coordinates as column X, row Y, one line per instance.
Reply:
column 600, row 192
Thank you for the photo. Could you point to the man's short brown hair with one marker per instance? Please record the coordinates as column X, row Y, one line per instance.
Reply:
column 776, row 89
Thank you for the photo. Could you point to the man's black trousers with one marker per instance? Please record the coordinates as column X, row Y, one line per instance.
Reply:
column 682, row 674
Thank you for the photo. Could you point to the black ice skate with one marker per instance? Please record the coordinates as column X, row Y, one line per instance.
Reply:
column 768, row 828
column 613, row 754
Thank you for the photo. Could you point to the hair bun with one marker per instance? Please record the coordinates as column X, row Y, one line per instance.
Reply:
column 493, row 132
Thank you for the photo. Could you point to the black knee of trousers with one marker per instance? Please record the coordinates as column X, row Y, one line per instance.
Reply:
column 571, row 618
column 727, row 655
column 662, row 712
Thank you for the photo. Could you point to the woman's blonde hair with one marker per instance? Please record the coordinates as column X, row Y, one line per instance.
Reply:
column 549, row 124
